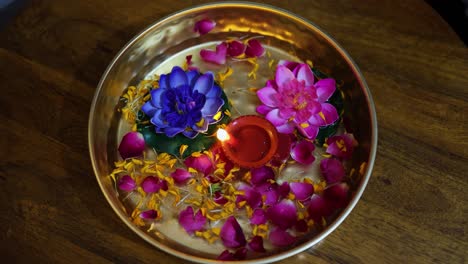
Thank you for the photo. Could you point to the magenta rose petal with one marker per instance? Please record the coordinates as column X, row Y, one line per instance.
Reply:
column 151, row 184
column 132, row 145
column 126, row 183
column 181, row 176
column 332, row 170
column 283, row 190
column 203, row 164
column 251, row 196
column 191, row 222
column 258, row 217
column 261, row 175
column 281, row 238
column 149, row 214
column 282, row 214
column 318, row 208
column 302, row 152
column 301, row 190
column 254, row 48
column 226, row 255
column 235, row 48
column 337, row 195
column 241, row 253
column 270, row 192
column 231, row 234
column 341, row 146
column 216, row 57
column 256, row 244
column 204, row 26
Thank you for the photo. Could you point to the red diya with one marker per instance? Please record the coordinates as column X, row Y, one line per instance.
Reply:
column 249, row 141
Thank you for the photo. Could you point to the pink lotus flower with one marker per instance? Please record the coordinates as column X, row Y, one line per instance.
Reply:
column 341, row 146
column 231, row 234
column 191, row 222
column 294, row 100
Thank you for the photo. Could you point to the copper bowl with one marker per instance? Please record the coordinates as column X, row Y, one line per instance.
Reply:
column 284, row 33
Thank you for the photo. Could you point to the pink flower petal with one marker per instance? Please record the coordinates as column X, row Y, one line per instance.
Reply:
column 274, row 117
column 309, row 132
column 203, row 164
column 126, row 183
column 151, row 184
column 287, row 128
column 231, row 234
column 337, row 195
column 341, row 146
column 254, row 48
column 251, row 196
column 283, row 190
column 181, row 176
column 282, row 214
column 256, row 244
column 240, row 253
column 216, row 57
column 191, row 222
column 302, row 152
column 258, row 217
column 283, row 75
column 270, row 192
column 263, row 109
column 281, row 238
column 235, row 48
column 291, row 65
column 204, row 26
column 261, row 175
column 226, row 255
column 318, row 208
column 325, row 89
column 149, row 214
column 332, row 170
column 132, row 145
column 267, row 96
column 304, row 73
column 326, row 117
column 302, row 190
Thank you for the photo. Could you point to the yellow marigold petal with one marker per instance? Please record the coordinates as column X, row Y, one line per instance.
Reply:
column 241, row 204
column 192, row 170
column 216, row 230
column 182, row 149
column 253, row 90
column 291, row 196
column 362, row 168
column 308, row 180
column 199, row 188
column 310, row 63
column 203, row 211
column 196, row 154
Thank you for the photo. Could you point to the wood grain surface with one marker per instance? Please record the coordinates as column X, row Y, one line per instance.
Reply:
column 52, row 55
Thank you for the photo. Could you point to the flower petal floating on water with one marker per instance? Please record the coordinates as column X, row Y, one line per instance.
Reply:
column 149, row 214
column 302, row 152
column 191, row 222
column 301, row 190
column 281, row 238
column 261, row 175
column 258, row 217
column 256, row 244
column 181, row 176
column 204, row 26
column 132, row 145
column 235, row 48
column 318, row 208
column 126, row 183
column 337, row 195
column 201, row 163
column 151, row 184
column 240, row 254
column 216, row 57
column 251, row 196
column 231, row 234
column 332, row 170
column 270, row 192
column 254, row 48
column 341, row 146
column 219, row 198
column 226, row 255
column 282, row 214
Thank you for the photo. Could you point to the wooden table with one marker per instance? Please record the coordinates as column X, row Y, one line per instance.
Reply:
column 414, row 209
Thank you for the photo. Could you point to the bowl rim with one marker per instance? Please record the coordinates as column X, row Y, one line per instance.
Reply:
column 292, row 251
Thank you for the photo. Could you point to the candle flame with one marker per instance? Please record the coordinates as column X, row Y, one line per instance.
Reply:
column 222, row 135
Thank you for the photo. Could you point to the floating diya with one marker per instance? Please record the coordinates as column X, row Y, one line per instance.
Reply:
column 249, row 141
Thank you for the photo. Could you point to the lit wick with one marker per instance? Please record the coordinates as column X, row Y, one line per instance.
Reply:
column 222, row 135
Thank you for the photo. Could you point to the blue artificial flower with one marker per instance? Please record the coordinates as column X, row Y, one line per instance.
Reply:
column 185, row 102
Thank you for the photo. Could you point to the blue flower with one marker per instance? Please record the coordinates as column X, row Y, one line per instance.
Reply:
column 185, row 102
